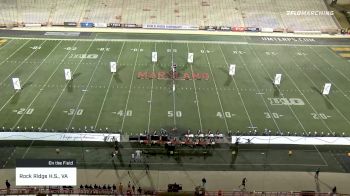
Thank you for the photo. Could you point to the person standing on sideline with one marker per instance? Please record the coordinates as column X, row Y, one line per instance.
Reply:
column 334, row 190
column 139, row 190
column 114, row 187
column 120, row 188
column 138, row 155
column 8, row 185
column 244, row 181
column 147, row 168
column 317, row 173
column 204, row 181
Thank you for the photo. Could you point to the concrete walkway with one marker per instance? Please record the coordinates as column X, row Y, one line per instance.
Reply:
column 216, row 180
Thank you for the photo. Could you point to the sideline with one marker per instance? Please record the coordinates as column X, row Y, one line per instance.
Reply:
column 216, row 180
column 189, row 32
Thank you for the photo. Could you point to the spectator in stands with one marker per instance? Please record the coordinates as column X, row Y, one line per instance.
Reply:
column 109, row 187
column 133, row 189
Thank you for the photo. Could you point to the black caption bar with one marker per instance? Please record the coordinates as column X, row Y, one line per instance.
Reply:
column 45, row 163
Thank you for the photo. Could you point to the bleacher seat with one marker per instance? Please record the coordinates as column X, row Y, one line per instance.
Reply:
column 248, row 13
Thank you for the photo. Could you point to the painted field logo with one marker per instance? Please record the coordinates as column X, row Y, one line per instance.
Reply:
column 286, row 101
column 83, row 56
column 166, row 75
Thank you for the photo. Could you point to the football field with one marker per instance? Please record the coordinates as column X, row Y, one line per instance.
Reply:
column 140, row 96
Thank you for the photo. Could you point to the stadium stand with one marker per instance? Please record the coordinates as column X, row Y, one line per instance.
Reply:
column 67, row 11
column 34, row 11
column 313, row 22
column 260, row 14
column 100, row 11
column 247, row 13
column 8, row 13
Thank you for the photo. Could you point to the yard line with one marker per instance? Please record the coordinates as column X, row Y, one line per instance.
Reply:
column 291, row 79
column 195, row 92
column 62, row 91
column 21, row 63
column 47, row 117
column 257, row 88
column 44, row 85
column 87, row 86
column 345, row 62
column 239, row 94
column 294, row 114
column 7, row 43
column 150, row 103
column 334, row 68
column 14, row 53
column 339, row 112
column 132, row 80
column 290, row 108
column 32, row 73
column 216, row 89
column 174, row 100
column 109, row 85
column 325, row 60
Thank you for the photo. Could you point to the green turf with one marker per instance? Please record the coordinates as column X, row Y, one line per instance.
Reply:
column 49, row 102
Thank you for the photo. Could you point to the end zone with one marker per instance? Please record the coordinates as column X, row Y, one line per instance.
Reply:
column 2, row 41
